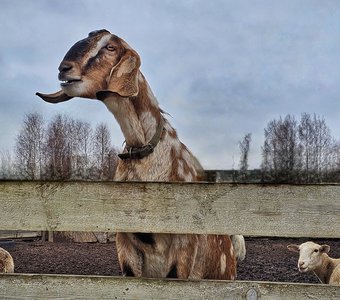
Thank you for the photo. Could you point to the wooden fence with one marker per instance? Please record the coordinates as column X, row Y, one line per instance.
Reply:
column 249, row 209
column 19, row 234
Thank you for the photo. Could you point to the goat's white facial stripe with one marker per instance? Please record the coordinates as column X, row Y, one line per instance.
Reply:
column 100, row 44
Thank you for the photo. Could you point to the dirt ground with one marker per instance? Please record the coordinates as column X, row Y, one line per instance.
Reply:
column 267, row 259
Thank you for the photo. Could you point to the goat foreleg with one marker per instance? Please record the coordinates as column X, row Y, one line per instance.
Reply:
column 130, row 258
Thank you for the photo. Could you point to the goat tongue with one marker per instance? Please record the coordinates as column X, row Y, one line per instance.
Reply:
column 54, row 98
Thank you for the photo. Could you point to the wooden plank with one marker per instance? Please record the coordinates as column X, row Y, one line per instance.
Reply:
column 249, row 209
column 19, row 234
column 26, row 286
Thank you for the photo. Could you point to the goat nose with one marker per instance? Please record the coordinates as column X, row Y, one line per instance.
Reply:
column 65, row 66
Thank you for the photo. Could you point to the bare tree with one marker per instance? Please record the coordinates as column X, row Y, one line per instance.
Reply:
column 79, row 135
column 63, row 148
column 316, row 144
column 244, row 146
column 104, row 154
column 281, row 152
column 306, row 136
column 322, row 148
column 58, row 150
column 337, row 156
column 299, row 153
column 333, row 169
column 6, row 165
column 29, row 144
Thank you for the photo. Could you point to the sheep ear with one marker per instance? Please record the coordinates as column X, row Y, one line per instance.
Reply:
column 123, row 78
column 324, row 249
column 293, row 248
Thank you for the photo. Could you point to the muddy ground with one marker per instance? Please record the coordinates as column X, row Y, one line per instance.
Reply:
column 267, row 259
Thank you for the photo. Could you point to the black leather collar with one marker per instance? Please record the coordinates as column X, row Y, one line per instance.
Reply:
column 145, row 150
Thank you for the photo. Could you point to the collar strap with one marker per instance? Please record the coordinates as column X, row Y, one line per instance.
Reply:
column 145, row 150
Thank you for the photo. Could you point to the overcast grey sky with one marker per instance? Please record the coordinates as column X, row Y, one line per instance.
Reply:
column 220, row 68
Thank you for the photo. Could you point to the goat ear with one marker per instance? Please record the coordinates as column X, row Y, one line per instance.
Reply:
column 123, row 78
column 293, row 248
column 324, row 249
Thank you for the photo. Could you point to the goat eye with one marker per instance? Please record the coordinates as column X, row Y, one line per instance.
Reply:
column 110, row 48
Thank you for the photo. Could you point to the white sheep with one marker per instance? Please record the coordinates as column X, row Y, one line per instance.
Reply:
column 314, row 258
column 6, row 262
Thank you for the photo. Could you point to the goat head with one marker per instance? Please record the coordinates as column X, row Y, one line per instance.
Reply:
column 98, row 64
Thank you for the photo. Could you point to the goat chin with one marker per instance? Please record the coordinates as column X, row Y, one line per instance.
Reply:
column 55, row 97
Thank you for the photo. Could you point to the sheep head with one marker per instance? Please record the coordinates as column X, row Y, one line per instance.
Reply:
column 99, row 64
column 310, row 255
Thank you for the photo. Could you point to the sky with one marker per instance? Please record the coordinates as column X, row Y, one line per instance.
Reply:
column 220, row 68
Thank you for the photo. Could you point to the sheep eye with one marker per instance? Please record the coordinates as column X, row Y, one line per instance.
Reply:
column 316, row 250
column 110, row 48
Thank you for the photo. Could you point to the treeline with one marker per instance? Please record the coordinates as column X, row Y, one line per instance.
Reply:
column 66, row 149
column 300, row 152
column 61, row 149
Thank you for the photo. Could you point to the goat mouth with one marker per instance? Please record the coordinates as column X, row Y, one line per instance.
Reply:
column 65, row 83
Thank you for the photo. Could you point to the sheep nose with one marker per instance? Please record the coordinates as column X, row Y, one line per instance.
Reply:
column 65, row 66
column 301, row 263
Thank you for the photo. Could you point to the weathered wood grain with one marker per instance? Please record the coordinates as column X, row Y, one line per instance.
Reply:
column 25, row 286
column 258, row 210
column 19, row 234
column 249, row 209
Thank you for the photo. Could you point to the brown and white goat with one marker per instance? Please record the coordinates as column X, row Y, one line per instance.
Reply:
column 103, row 66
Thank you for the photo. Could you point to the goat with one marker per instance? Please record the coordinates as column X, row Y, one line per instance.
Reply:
column 6, row 262
column 104, row 67
column 314, row 258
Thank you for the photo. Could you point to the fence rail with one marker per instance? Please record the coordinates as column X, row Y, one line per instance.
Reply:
column 19, row 234
column 98, row 287
column 249, row 209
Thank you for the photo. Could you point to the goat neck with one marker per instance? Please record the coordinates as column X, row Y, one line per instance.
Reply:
column 137, row 116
